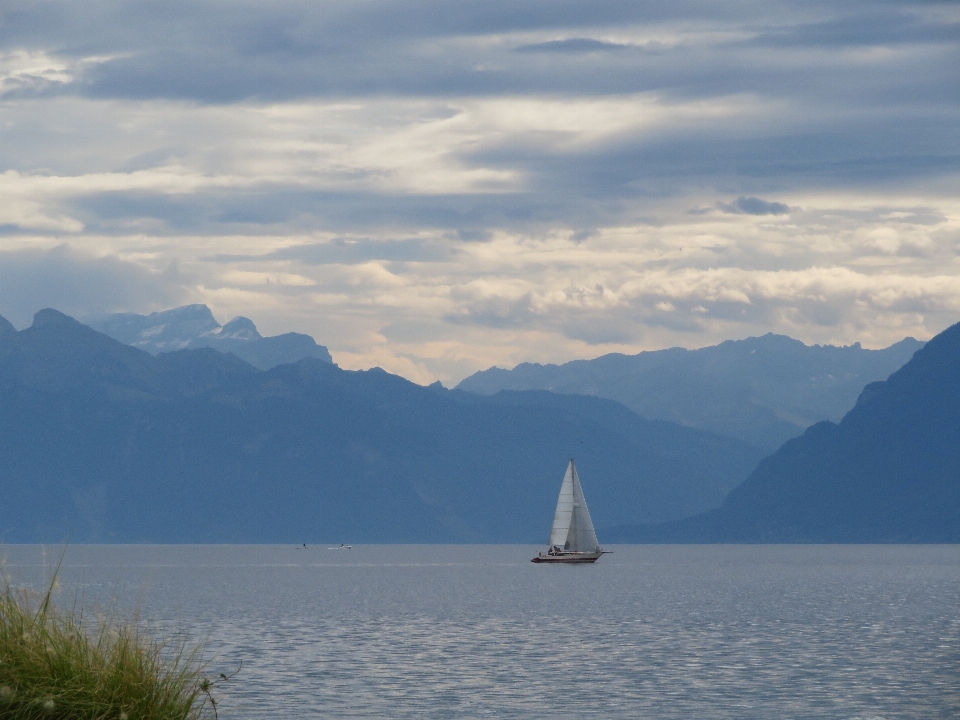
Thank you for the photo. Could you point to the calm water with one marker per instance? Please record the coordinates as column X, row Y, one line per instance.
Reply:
column 771, row 632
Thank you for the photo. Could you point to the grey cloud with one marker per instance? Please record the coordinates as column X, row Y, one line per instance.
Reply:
column 572, row 46
column 623, row 324
column 354, row 251
column 297, row 25
column 81, row 285
column 754, row 206
column 406, row 330
column 821, row 110
column 578, row 320
column 26, row 86
column 878, row 26
column 472, row 234
column 146, row 160
column 582, row 189
column 266, row 209
column 603, row 181
column 160, row 213
column 600, row 329
column 495, row 312
column 215, row 52
column 278, row 209
column 910, row 215
column 693, row 321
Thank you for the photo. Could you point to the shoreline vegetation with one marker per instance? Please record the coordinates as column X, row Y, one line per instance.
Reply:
column 60, row 664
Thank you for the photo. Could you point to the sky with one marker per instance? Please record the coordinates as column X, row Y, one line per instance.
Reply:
column 439, row 187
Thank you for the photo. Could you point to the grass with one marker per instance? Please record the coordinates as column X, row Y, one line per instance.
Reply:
column 56, row 665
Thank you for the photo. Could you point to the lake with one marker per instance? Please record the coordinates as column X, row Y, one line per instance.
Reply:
column 442, row 631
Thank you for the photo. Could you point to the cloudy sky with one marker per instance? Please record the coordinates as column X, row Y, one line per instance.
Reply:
column 438, row 187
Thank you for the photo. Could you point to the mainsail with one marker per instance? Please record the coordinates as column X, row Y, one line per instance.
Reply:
column 572, row 528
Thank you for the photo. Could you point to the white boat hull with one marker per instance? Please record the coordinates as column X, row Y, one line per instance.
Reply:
column 568, row 557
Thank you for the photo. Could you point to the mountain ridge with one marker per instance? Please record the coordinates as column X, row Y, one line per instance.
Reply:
column 194, row 326
column 763, row 390
column 889, row 471
column 103, row 442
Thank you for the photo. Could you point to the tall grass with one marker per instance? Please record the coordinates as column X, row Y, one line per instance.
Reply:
column 56, row 665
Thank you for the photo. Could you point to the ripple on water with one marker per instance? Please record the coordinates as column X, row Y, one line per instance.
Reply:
column 745, row 632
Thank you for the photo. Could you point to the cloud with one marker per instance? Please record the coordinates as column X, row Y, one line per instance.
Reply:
column 354, row 251
column 23, row 72
column 82, row 285
column 297, row 50
column 696, row 301
column 435, row 187
column 572, row 46
column 874, row 26
column 754, row 206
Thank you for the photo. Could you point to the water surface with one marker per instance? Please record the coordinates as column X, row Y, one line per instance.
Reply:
column 721, row 631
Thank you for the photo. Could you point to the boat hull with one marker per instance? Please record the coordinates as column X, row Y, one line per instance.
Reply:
column 568, row 557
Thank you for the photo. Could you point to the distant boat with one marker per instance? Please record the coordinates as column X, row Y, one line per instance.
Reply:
column 572, row 538
column 342, row 547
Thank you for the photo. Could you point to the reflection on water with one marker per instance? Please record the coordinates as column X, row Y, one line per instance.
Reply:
column 765, row 632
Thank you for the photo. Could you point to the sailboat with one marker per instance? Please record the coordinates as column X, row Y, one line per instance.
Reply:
column 572, row 538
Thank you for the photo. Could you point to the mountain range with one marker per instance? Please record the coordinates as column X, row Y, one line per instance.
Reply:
column 104, row 442
column 889, row 471
column 193, row 326
column 763, row 390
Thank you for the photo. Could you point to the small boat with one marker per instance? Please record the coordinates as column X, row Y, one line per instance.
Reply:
column 572, row 538
column 342, row 547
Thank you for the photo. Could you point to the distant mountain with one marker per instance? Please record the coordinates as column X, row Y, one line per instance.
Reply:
column 889, row 472
column 100, row 441
column 763, row 390
column 193, row 326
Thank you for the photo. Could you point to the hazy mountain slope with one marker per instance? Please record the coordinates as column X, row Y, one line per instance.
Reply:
column 889, row 472
column 193, row 326
column 764, row 390
column 100, row 441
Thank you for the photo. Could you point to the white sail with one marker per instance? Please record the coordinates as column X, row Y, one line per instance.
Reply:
column 572, row 528
column 564, row 513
